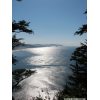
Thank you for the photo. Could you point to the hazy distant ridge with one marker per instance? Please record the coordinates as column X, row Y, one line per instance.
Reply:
column 37, row 45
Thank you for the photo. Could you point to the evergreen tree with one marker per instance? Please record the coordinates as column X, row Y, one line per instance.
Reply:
column 77, row 83
column 16, row 41
column 19, row 27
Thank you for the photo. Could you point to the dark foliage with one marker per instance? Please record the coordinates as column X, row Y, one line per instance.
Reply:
column 21, row 26
column 18, row 27
column 13, row 59
column 19, row 75
column 16, row 41
column 85, row 12
column 18, row 0
column 76, row 86
column 81, row 30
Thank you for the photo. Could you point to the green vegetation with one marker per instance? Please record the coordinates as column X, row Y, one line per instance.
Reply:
column 19, row 75
column 76, row 85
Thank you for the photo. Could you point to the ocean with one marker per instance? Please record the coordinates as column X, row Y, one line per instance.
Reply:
column 52, row 68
